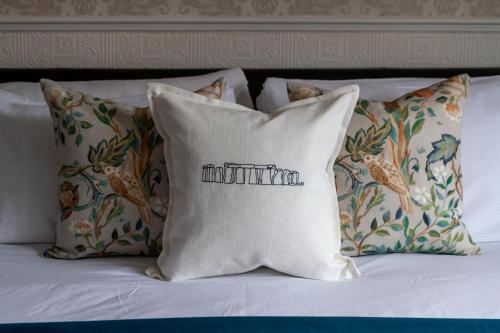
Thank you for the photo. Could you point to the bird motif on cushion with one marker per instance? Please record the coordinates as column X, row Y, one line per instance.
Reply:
column 388, row 175
column 126, row 186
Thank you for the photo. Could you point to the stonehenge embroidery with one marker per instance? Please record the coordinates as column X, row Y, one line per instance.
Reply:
column 252, row 174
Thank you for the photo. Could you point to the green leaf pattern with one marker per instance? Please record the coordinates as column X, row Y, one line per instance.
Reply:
column 113, row 146
column 398, row 175
column 113, row 184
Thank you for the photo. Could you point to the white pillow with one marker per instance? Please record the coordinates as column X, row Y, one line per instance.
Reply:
column 249, row 189
column 114, row 89
column 28, row 169
column 29, row 181
column 481, row 162
column 274, row 94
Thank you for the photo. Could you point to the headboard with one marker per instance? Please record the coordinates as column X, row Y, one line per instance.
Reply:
column 256, row 77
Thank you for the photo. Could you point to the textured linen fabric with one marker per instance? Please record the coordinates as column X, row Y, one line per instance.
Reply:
column 480, row 123
column 249, row 189
column 399, row 176
column 112, row 181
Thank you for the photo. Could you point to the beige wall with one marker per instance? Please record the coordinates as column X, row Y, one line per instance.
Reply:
column 249, row 33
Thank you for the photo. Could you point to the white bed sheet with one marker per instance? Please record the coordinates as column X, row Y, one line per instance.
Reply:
column 34, row 289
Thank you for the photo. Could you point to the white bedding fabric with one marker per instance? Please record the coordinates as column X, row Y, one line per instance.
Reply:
column 34, row 289
column 114, row 89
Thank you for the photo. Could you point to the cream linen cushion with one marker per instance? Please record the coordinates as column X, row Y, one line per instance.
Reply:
column 250, row 189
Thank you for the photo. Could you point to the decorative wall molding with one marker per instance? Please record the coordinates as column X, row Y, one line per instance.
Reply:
column 189, row 23
column 248, row 49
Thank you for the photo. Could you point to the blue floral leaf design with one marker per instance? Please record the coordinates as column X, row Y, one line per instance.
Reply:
column 386, row 216
column 399, row 213
column 426, row 219
column 138, row 225
column 443, row 150
column 126, row 227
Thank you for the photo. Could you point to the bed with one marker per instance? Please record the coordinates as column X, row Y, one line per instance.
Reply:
column 424, row 292
column 421, row 286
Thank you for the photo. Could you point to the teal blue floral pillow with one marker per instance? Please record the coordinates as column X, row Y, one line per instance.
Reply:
column 398, row 175
column 113, row 185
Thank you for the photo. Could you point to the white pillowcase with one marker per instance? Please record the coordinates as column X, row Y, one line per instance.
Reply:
column 28, row 179
column 481, row 162
column 114, row 89
column 28, row 171
column 274, row 94
column 249, row 189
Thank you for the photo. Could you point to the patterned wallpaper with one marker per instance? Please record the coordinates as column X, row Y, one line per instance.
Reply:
column 337, row 8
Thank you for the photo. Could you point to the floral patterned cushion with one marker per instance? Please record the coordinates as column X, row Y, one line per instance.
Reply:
column 111, row 173
column 398, row 176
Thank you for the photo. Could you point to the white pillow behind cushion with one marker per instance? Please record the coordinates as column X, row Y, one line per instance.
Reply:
column 274, row 94
column 481, row 159
column 481, row 162
column 28, row 169
column 114, row 89
column 29, row 174
column 249, row 189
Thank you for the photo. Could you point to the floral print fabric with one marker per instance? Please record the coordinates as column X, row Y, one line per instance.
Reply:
column 398, row 176
column 113, row 185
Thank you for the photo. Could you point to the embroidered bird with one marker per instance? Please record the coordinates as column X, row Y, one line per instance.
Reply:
column 126, row 186
column 213, row 90
column 388, row 175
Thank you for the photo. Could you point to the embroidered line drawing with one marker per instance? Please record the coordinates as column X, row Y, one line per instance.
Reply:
column 252, row 174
